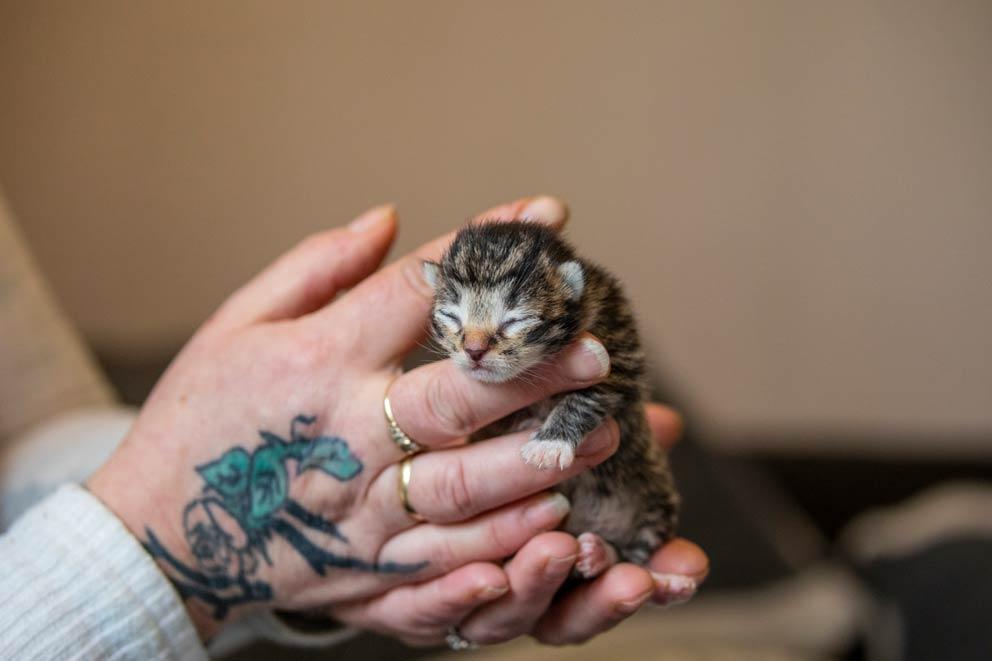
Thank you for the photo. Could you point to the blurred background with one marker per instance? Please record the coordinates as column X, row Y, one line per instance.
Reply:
column 798, row 196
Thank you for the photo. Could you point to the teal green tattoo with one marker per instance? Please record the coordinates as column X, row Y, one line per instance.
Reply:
column 249, row 492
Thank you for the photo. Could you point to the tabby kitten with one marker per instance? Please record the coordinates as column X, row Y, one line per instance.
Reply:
column 509, row 295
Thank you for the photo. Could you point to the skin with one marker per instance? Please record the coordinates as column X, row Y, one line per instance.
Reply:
column 285, row 344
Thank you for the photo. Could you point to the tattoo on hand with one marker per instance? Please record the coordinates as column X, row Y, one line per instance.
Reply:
column 244, row 503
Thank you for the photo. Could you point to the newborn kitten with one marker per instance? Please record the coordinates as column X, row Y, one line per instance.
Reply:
column 509, row 295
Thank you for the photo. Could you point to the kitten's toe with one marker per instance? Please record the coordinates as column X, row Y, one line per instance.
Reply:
column 548, row 454
column 596, row 555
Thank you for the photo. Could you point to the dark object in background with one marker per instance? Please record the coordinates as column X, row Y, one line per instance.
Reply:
column 938, row 597
column 834, row 489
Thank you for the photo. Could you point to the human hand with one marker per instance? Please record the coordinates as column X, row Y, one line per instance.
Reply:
column 309, row 516
column 491, row 604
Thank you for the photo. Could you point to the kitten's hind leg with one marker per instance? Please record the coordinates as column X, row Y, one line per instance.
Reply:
column 649, row 538
column 596, row 555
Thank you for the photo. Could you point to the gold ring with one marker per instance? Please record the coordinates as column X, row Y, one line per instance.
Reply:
column 406, row 468
column 402, row 441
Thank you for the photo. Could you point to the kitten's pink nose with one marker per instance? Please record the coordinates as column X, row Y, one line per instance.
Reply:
column 476, row 354
column 476, row 344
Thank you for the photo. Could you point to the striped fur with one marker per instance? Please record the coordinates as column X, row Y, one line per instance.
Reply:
column 520, row 285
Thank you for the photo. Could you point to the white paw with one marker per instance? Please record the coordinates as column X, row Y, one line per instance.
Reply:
column 596, row 555
column 548, row 454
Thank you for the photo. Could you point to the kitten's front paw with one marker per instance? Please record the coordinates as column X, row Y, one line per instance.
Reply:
column 596, row 555
column 548, row 454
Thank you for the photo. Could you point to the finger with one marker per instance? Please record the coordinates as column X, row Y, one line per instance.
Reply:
column 447, row 486
column 421, row 613
column 439, row 403
column 541, row 208
column 678, row 568
column 401, row 291
column 666, row 424
column 491, row 536
column 308, row 276
column 535, row 574
column 595, row 607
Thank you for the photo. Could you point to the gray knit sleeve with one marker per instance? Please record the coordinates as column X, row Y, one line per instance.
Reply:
column 75, row 584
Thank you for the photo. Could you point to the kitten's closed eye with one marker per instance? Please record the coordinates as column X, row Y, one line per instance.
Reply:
column 514, row 324
column 451, row 317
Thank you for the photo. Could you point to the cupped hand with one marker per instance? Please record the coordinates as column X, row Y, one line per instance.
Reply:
column 260, row 473
column 492, row 604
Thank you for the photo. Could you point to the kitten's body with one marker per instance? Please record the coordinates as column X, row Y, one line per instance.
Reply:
column 524, row 289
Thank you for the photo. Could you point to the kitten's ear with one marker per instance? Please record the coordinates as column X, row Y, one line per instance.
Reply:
column 432, row 272
column 574, row 277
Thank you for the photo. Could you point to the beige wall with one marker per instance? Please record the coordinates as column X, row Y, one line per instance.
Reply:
column 799, row 194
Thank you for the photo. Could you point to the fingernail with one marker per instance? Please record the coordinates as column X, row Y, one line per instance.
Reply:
column 371, row 218
column 558, row 567
column 630, row 606
column 545, row 208
column 549, row 511
column 413, row 271
column 676, row 588
column 587, row 360
column 491, row 592
column 599, row 440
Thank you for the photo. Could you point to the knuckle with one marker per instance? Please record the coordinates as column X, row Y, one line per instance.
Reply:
column 444, row 557
column 503, row 543
column 447, row 408
column 452, row 491
column 428, row 619
column 453, row 610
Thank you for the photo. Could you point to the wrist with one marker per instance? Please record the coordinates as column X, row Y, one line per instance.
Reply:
column 149, row 505
column 106, row 589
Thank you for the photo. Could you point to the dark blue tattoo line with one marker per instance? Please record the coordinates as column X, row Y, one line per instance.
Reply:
column 252, row 489
column 221, row 605
column 313, row 520
column 318, row 558
column 157, row 550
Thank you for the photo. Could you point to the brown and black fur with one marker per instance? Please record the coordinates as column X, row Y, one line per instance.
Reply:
column 629, row 500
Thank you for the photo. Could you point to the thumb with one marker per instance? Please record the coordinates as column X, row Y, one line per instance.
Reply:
column 307, row 277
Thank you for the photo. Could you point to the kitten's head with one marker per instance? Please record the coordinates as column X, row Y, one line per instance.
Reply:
column 507, row 295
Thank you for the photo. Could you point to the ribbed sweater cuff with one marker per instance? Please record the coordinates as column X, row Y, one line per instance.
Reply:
column 77, row 585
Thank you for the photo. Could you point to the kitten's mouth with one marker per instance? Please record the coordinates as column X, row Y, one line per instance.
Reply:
column 479, row 369
column 486, row 373
column 491, row 369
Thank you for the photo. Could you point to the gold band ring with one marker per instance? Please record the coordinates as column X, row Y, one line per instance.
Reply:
column 406, row 468
column 402, row 441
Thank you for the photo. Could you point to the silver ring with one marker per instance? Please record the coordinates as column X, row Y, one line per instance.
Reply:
column 456, row 642
column 402, row 441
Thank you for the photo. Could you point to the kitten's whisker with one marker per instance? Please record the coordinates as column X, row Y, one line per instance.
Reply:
column 526, row 379
column 535, row 376
column 432, row 348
